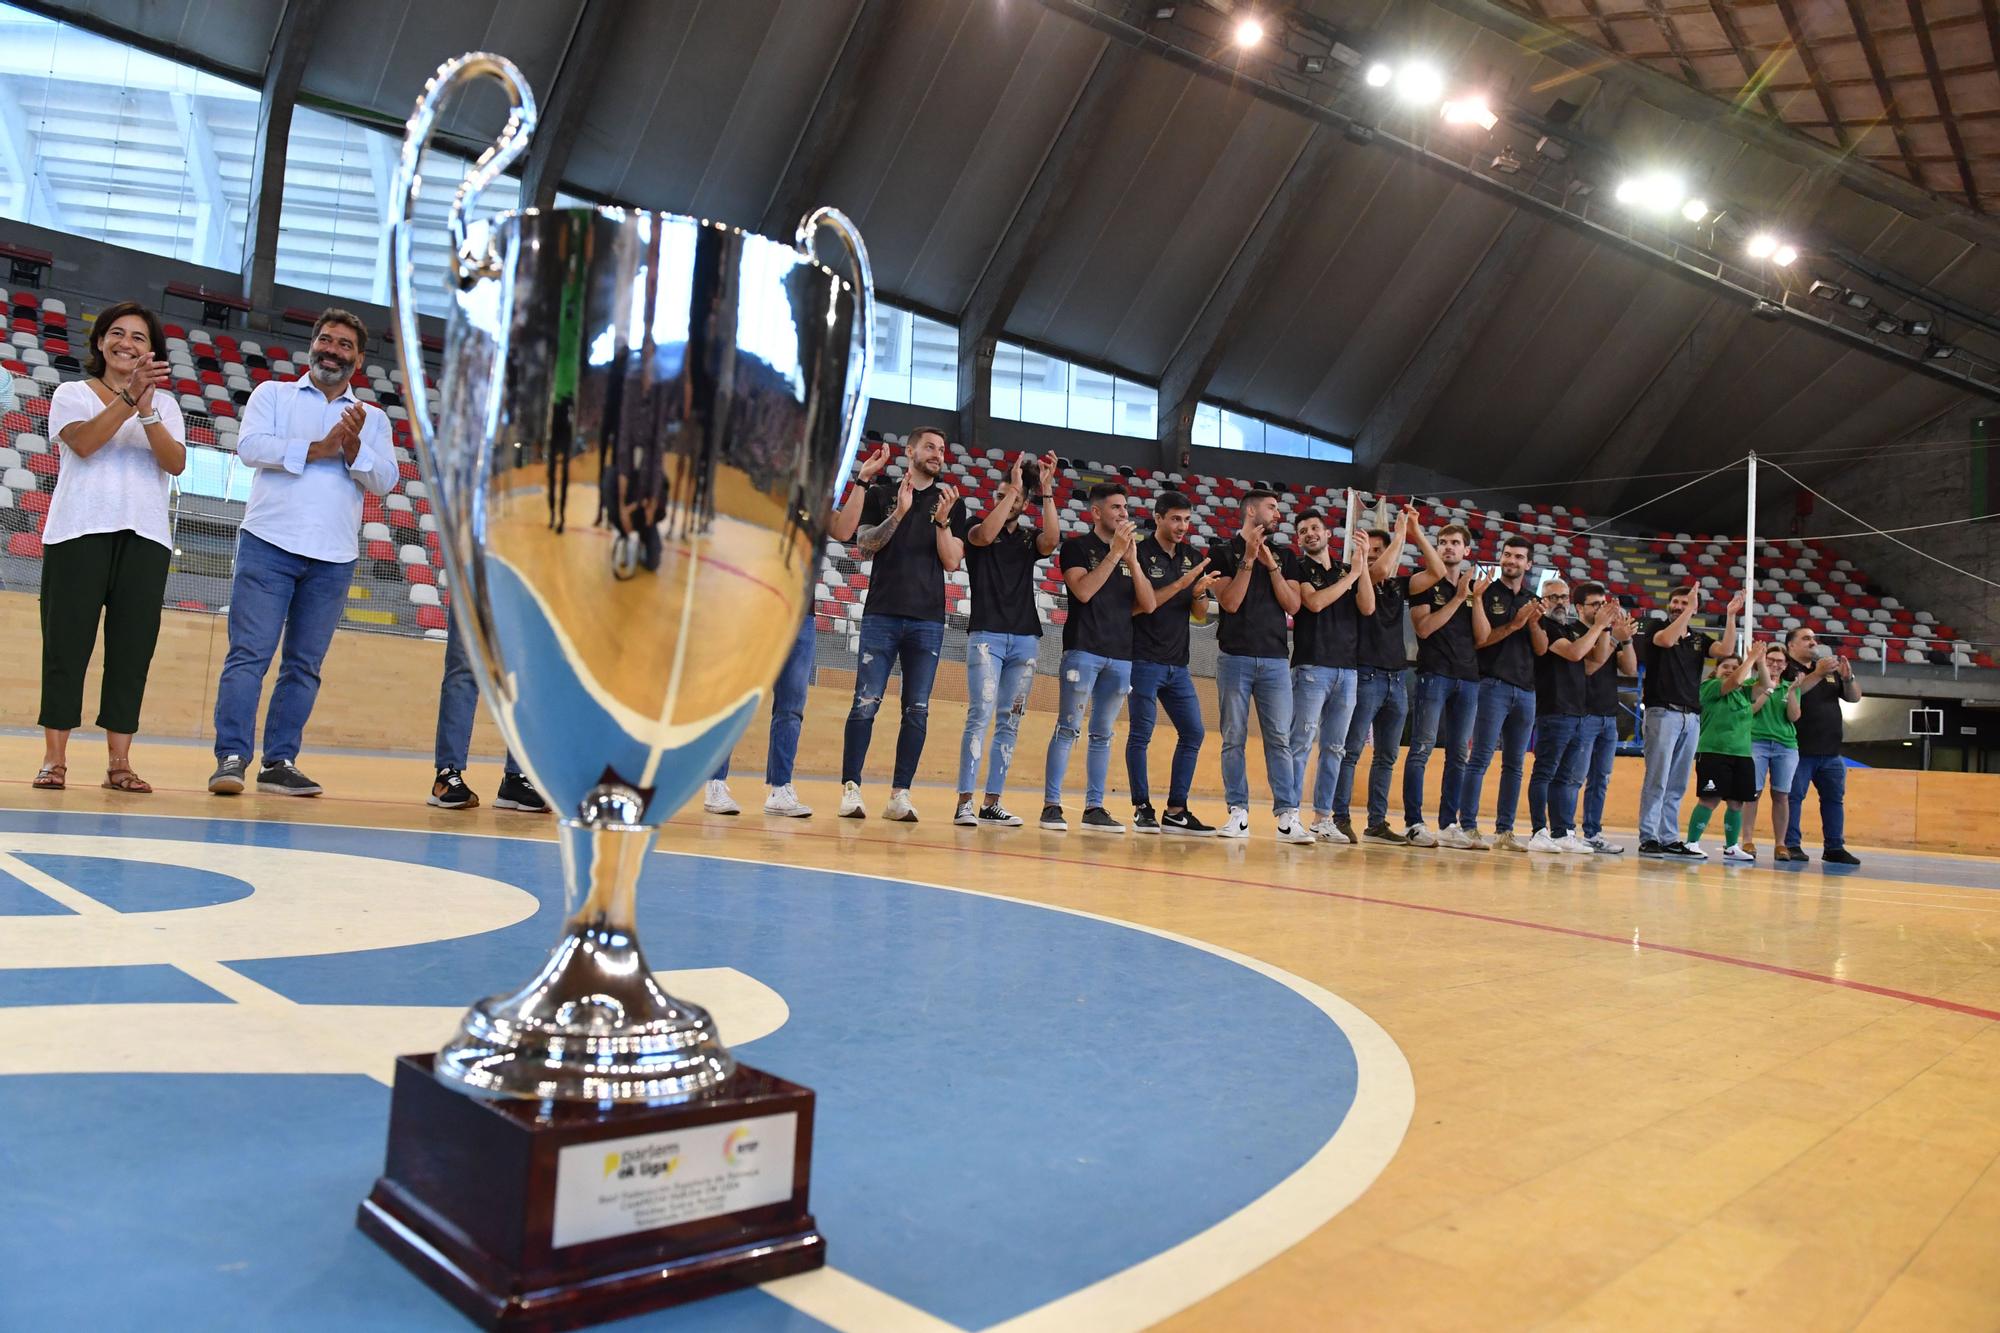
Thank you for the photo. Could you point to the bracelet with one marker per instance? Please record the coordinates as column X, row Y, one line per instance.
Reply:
column 150, row 419
column 130, row 401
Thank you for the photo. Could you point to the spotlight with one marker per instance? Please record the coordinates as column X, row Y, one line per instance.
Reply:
column 1917, row 328
column 1857, row 300
column 1554, row 149
column 1825, row 291
column 1694, row 210
column 1162, row 13
column 1940, row 351
column 1469, row 111
column 1784, row 255
column 1506, row 163
column 1767, row 310
column 1419, row 84
column 1355, row 131
column 1762, row 246
column 1654, row 192
column 1886, row 323
column 1378, row 75
column 1312, row 64
column 1249, row 31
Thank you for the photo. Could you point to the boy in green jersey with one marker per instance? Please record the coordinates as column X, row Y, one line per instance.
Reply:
column 1722, row 767
column 1774, row 753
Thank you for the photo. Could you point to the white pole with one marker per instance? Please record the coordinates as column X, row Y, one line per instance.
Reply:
column 1747, row 626
column 1353, row 513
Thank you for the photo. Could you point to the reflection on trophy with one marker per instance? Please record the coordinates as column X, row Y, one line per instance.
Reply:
column 643, row 419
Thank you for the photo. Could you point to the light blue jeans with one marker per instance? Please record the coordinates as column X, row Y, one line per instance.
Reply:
column 1267, row 680
column 1600, row 743
column 999, row 670
column 1670, row 737
column 1322, row 707
column 1099, row 684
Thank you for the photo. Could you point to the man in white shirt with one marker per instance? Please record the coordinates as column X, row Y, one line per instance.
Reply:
column 315, row 448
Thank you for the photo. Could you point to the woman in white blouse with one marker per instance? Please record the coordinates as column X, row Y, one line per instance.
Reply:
column 107, row 545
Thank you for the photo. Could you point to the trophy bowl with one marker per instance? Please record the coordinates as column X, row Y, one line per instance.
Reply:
column 643, row 418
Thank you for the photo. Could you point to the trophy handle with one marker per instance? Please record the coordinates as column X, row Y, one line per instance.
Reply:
column 855, row 402
column 408, row 185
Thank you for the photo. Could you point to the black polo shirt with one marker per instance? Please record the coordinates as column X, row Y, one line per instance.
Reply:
column 907, row 578
column 1002, row 575
column 1257, row 627
column 1820, row 722
column 1559, row 682
column 1673, row 675
column 1162, row 635
column 1381, row 635
column 1449, row 650
column 1329, row 637
column 1102, row 625
column 1600, row 689
column 1513, row 658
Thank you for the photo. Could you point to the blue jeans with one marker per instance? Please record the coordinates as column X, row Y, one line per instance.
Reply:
column 1599, row 738
column 1155, row 686
column 276, row 593
column 1379, row 706
column 1561, row 755
column 1269, row 681
column 788, row 710
column 1322, row 707
column 888, row 641
column 458, row 700
column 999, row 669
column 1777, row 761
column 1453, row 705
column 1101, row 684
column 1506, row 716
column 1670, row 737
column 1828, row 773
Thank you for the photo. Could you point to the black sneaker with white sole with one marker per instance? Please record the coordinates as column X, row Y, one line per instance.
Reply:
column 1052, row 819
column 1096, row 819
column 227, row 780
column 1184, row 823
column 517, row 793
column 1652, row 848
column 284, row 779
column 997, row 816
column 1383, row 833
column 1144, row 820
column 449, row 792
column 1680, row 851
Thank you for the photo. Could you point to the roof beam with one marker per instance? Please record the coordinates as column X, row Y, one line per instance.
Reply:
column 1027, row 235
column 1194, row 362
column 847, row 83
column 1753, row 72
column 1673, row 40
column 1402, row 409
column 1810, row 64
column 291, row 47
column 590, row 42
column 1951, row 134
column 1882, row 90
column 35, row 198
column 198, row 147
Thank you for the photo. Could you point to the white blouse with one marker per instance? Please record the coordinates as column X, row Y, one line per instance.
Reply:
column 119, row 487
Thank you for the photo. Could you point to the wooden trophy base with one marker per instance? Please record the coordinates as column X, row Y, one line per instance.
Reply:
column 535, row 1216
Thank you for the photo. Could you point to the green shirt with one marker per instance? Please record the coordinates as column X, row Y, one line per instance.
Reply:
column 1725, row 719
column 1769, row 723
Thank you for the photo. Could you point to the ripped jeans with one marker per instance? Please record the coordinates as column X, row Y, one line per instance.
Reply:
column 1100, row 684
column 999, row 669
column 888, row 641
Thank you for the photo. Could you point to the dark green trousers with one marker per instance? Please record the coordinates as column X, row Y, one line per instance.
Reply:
column 121, row 577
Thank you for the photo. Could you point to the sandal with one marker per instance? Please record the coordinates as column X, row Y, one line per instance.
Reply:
column 52, row 777
column 124, row 779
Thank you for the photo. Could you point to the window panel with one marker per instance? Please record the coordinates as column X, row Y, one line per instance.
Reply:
column 1138, row 410
column 1090, row 400
column 1007, row 382
column 889, row 380
column 1207, row 429
column 933, row 363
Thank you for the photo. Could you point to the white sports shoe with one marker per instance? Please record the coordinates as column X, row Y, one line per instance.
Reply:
column 850, row 801
column 1571, row 842
column 785, row 801
column 1735, row 853
column 1291, row 830
column 966, row 816
column 1420, row 836
column 1542, row 842
column 718, row 801
column 1326, row 831
column 1451, row 835
column 1603, row 846
column 1237, row 825
column 899, row 808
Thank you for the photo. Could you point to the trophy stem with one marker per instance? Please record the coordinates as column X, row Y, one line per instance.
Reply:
column 601, row 864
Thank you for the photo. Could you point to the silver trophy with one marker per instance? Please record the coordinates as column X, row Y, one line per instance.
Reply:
column 643, row 419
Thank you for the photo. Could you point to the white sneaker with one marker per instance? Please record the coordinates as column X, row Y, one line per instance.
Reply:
column 1603, row 846
column 785, row 801
column 1420, row 836
column 1451, row 835
column 1735, row 853
column 1291, row 830
column 966, row 816
column 1237, row 825
column 1326, row 831
column 1572, row 843
column 718, row 801
column 850, row 801
column 1695, row 849
column 1542, row 842
column 899, row 808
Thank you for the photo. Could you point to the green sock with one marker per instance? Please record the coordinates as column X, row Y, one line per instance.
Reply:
column 1732, row 826
column 1698, row 821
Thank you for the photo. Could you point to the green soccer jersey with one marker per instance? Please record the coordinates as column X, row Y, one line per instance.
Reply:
column 1769, row 723
column 1725, row 719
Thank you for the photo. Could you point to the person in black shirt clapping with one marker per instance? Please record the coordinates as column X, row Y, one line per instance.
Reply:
column 1507, row 627
column 1334, row 597
column 1160, row 678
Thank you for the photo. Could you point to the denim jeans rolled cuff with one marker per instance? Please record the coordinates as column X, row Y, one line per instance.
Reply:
column 999, row 671
column 1266, row 682
column 1093, row 693
column 276, row 596
column 1156, row 686
column 1322, row 708
column 911, row 646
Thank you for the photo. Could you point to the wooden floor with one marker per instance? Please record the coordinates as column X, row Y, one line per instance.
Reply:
column 1647, row 1096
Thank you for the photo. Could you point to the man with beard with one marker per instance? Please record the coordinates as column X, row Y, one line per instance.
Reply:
column 1506, row 625
column 1561, row 678
column 906, row 526
column 315, row 448
column 1160, row 676
column 1676, row 657
column 1334, row 596
column 1446, row 697
column 1614, row 656
column 1821, row 686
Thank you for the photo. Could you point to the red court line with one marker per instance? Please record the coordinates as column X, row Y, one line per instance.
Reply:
column 1799, row 974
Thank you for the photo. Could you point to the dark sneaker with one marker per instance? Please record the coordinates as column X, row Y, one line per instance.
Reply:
column 1184, row 823
column 1143, row 819
column 284, row 779
column 227, row 780
column 517, row 793
column 1052, row 819
column 1839, row 856
column 1383, row 833
column 1648, row 847
column 998, row 816
column 1680, row 851
column 1799, row 854
column 449, row 791
column 1097, row 819
column 1346, row 829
